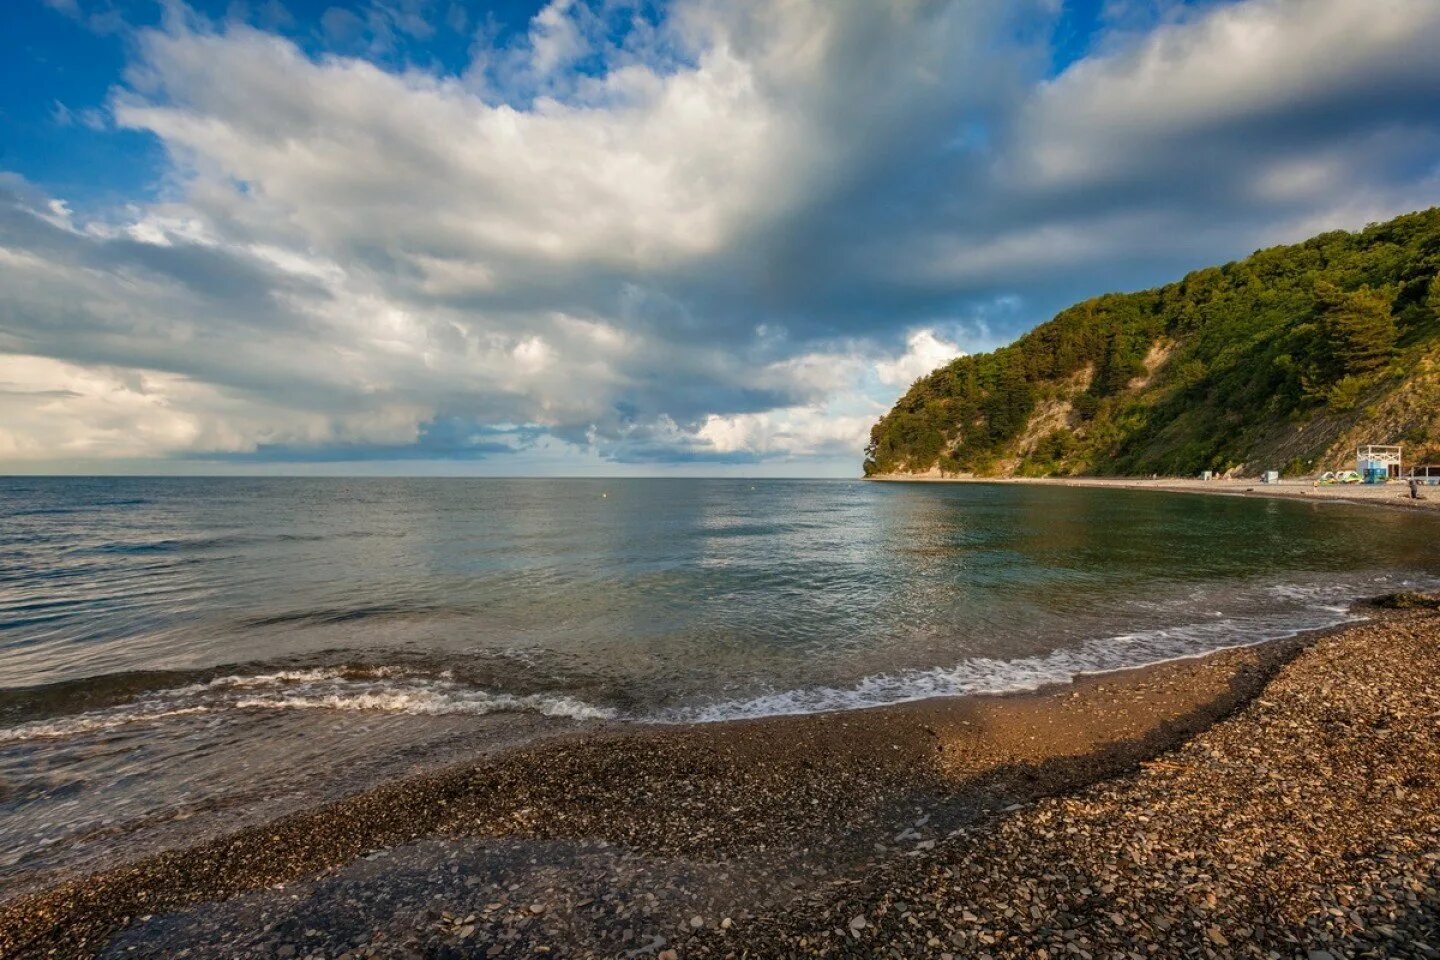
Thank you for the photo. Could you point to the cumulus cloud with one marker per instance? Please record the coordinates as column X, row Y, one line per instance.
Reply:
column 792, row 432
column 1266, row 81
column 924, row 351
column 723, row 231
column 50, row 409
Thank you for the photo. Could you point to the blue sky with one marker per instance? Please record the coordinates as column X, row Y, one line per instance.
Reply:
column 630, row 236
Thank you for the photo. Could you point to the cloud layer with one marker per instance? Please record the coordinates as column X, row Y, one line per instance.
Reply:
column 729, row 231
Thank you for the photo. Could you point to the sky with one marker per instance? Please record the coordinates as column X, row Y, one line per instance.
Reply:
column 631, row 237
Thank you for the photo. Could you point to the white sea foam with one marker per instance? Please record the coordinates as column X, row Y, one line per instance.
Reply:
column 984, row 675
column 98, row 721
column 396, row 690
column 392, row 690
column 1287, row 609
column 430, row 702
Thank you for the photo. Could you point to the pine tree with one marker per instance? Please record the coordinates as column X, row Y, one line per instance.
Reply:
column 1009, row 405
column 1357, row 330
column 1118, row 366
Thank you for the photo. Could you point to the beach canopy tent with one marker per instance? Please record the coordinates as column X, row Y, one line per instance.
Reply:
column 1377, row 463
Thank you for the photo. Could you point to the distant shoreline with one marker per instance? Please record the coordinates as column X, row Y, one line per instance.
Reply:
column 1394, row 494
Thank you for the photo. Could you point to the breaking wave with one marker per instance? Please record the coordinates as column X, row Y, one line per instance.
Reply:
column 984, row 675
column 1286, row 609
column 390, row 690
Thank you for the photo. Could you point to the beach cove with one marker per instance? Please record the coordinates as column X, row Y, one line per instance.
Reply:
column 1224, row 749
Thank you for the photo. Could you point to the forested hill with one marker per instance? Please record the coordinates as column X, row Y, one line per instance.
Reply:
column 1285, row 360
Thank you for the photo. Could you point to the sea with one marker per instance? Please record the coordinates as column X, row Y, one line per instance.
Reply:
column 183, row 656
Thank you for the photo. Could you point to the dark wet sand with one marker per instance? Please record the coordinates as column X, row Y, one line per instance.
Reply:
column 803, row 796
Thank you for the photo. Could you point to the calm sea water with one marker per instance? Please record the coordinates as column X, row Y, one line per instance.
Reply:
column 180, row 655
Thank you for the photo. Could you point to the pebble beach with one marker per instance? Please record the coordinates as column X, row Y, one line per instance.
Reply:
column 1395, row 494
column 1272, row 801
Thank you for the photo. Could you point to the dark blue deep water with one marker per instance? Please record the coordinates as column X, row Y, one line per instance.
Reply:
column 183, row 654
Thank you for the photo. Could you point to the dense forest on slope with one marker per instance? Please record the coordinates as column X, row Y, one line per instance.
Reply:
column 1285, row 360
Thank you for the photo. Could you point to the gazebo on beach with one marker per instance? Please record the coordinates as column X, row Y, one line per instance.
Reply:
column 1378, row 462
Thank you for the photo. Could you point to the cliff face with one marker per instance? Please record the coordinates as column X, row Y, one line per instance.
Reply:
column 1286, row 360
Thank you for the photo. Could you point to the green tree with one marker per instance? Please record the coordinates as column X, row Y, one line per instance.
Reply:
column 1118, row 366
column 1357, row 330
column 1008, row 408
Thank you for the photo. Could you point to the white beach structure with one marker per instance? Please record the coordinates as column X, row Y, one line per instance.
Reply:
column 1426, row 473
column 1375, row 461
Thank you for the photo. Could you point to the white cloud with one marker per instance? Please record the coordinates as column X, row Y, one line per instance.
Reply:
column 55, row 410
column 924, row 351
column 556, row 39
column 789, row 432
column 710, row 247
column 345, row 153
column 1296, row 71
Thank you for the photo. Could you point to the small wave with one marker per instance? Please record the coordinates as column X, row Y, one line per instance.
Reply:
column 391, row 690
column 435, row 703
column 336, row 615
column 984, row 675
column 138, row 548
column 98, row 722
column 203, row 544
column 181, row 544
column 89, row 507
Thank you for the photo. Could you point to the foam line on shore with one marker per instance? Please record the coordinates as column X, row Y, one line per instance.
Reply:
column 371, row 689
column 983, row 675
column 399, row 690
column 395, row 690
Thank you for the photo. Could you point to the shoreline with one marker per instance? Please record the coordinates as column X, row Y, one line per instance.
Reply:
column 1394, row 495
column 1305, row 823
column 787, row 799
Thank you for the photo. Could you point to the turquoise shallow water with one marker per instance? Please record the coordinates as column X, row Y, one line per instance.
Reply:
column 173, row 648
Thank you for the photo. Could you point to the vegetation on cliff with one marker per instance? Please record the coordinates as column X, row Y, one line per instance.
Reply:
column 1284, row 360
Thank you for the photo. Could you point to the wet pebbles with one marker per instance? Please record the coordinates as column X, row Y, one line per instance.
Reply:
column 1308, row 826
